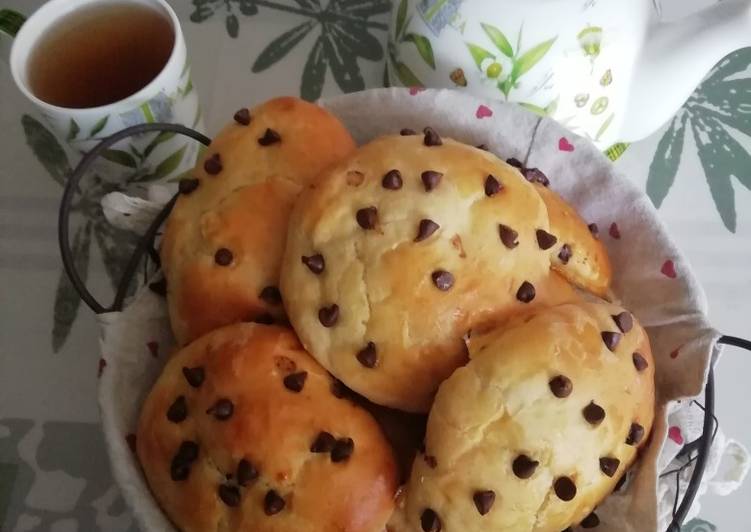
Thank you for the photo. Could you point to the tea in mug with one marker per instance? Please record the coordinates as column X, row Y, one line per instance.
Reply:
column 100, row 54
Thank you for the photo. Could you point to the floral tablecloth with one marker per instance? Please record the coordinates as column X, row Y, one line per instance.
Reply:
column 54, row 473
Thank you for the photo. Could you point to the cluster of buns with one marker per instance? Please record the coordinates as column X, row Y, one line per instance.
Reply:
column 418, row 274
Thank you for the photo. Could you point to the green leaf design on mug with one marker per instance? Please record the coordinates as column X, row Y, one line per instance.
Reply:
column 162, row 137
column 599, row 105
column 530, row 58
column 607, row 78
column 73, row 130
column 605, row 125
column 423, row 47
column 406, row 76
column 281, row 46
column 479, row 54
column 401, row 17
column 164, row 168
column 499, row 39
column 47, row 149
column 99, row 126
column 120, row 157
column 233, row 25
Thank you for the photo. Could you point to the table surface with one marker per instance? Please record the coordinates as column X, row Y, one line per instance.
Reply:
column 54, row 473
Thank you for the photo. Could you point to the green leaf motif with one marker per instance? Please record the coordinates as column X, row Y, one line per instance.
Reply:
column 164, row 168
column 366, row 8
column 314, row 73
column 729, row 100
column 309, row 4
column 99, row 126
column 115, row 246
column 698, row 525
column 401, row 17
column 604, row 127
column 248, row 7
column 281, row 46
column 187, row 89
column 530, row 58
column 204, row 10
column 73, row 130
column 343, row 65
column 479, row 54
column 233, row 25
column 534, row 108
column 120, row 157
column 423, row 47
column 162, row 137
column 499, row 39
column 67, row 300
column 354, row 36
column 46, row 149
column 721, row 157
column 405, row 75
column 667, row 158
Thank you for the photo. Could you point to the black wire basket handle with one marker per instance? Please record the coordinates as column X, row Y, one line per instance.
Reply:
column 144, row 243
column 700, row 446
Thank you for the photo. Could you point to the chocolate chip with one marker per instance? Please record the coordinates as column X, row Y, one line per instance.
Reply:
column 526, row 292
column 590, row 521
column 264, row 319
column 159, row 287
column 273, row 503
column 343, row 449
column 392, row 180
column 431, row 137
column 367, row 218
column 339, row 390
column 635, row 434
column 315, row 263
column 483, row 147
column 516, row 163
column 367, row 356
column 484, row 501
column 223, row 257
column 442, row 279
column 178, row 411
column 594, row 230
column 430, row 179
column 492, row 186
column 246, row 472
column 509, row 237
column 242, row 117
column 328, row 316
column 624, row 321
column 593, row 413
column 561, row 386
column 271, row 295
column 545, row 240
column 611, row 339
column 295, row 382
column 426, row 228
column 640, row 363
column 213, row 165
column 430, row 460
column 523, row 466
column 564, row 488
column 609, row 466
column 324, row 443
column 429, row 521
column 222, row 409
column 229, row 494
column 535, row 175
column 187, row 185
column 194, row 376
column 186, row 454
column 269, row 137
column 407, row 132
column 564, row 255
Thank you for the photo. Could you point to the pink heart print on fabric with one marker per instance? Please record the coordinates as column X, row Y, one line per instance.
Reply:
column 674, row 433
column 484, row 112
column 415, row 90
column 565, row 145
column 668, row 269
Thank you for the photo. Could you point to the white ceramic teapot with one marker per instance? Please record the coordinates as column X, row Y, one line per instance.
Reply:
column 607, row 69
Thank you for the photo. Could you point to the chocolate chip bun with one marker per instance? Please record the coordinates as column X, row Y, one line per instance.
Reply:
column 225, row 237
column 397, row 252
column 538, row 428
column 244, row 431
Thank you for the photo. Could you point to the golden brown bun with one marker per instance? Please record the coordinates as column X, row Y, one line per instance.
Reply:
column 382, row 280
column 588, row 265
column 502, row 405
column 243, row 207
column 273, row 428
